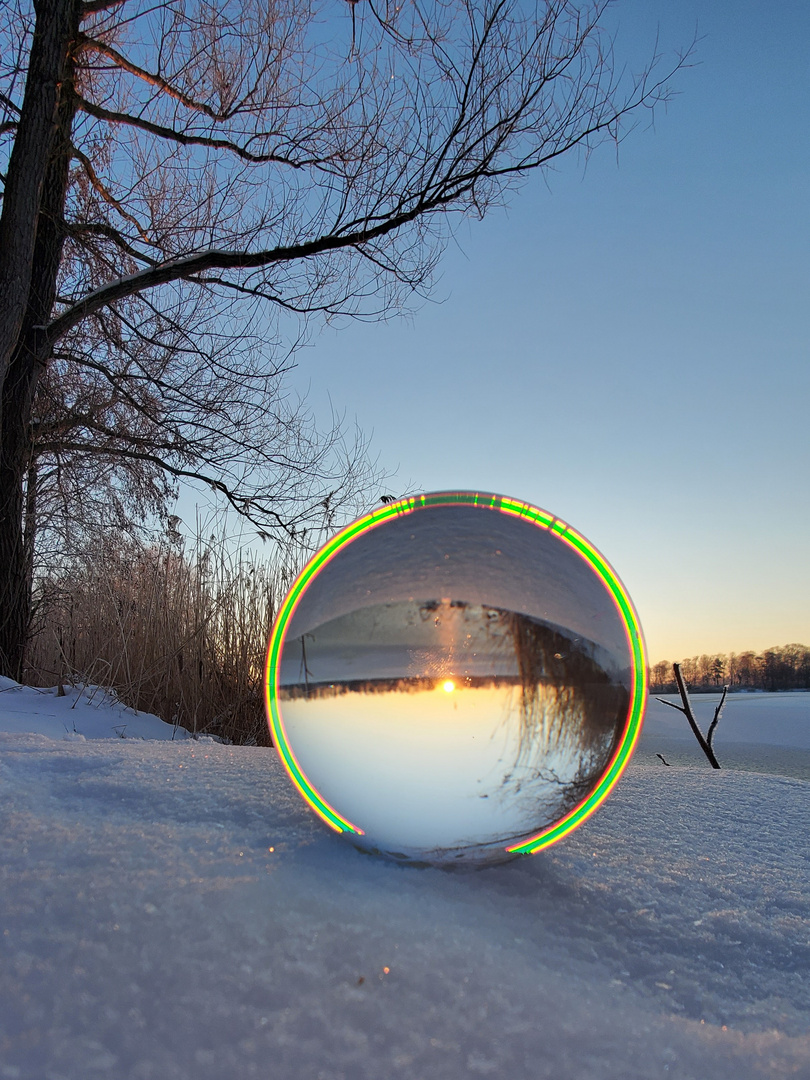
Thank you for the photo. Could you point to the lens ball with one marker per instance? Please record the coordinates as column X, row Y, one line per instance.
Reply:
column 456, row 678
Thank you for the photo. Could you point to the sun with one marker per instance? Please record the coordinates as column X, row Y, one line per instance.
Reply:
column 448, row 686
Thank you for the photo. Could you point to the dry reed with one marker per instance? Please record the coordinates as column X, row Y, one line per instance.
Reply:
column 182, row 635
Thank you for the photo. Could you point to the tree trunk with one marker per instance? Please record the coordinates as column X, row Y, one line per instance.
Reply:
column 28, row 352
column 30, row 524
column 13, row 614
column 56, row 27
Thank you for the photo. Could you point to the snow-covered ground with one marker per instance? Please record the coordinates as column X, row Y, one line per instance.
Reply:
column 87, row 712
column 170, row 910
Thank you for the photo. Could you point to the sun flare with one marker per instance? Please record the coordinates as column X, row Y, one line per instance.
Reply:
column 448, row 686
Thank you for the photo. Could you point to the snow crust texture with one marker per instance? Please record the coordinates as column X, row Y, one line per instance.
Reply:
column 173, row 911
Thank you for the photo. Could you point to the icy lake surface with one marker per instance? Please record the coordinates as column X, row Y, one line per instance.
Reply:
column 171, row 909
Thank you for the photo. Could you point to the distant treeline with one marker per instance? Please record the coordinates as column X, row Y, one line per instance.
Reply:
column 784, row 667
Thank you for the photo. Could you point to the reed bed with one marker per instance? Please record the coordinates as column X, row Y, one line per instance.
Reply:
column 176, row 632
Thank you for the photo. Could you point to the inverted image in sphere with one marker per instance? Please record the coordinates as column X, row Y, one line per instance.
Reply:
column 457, row 678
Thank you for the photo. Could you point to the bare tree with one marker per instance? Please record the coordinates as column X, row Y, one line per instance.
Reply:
column 106, row 454
column 169, row 164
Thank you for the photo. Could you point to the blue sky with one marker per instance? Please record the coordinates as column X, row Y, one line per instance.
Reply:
column 626, row 344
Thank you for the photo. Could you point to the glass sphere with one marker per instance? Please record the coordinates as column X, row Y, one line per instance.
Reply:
column 456, row 678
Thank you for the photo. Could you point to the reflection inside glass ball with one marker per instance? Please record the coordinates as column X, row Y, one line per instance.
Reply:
column 452, row 682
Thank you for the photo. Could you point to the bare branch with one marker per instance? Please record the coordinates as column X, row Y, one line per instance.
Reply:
column 104, row 192
column 187, row 268
column 717, row 712
column 154, row 80
column 705, row 746
column 162, row 132
column 109, row 233
column 9, row 104
column 671, row 704
column 243, row 506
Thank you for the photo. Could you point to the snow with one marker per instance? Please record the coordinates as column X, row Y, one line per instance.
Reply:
column 172, row 910
column 84, row 712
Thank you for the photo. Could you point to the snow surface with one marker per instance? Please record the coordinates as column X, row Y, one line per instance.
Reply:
column 173, row 910
column 84, row 712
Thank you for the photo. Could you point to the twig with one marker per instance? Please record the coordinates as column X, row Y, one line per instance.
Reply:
column 686, row 709
column 717, row 711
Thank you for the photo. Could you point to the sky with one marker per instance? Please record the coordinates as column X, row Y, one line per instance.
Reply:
column 625, row 343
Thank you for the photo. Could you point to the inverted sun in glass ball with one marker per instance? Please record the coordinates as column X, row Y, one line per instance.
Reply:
column 456, row 678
